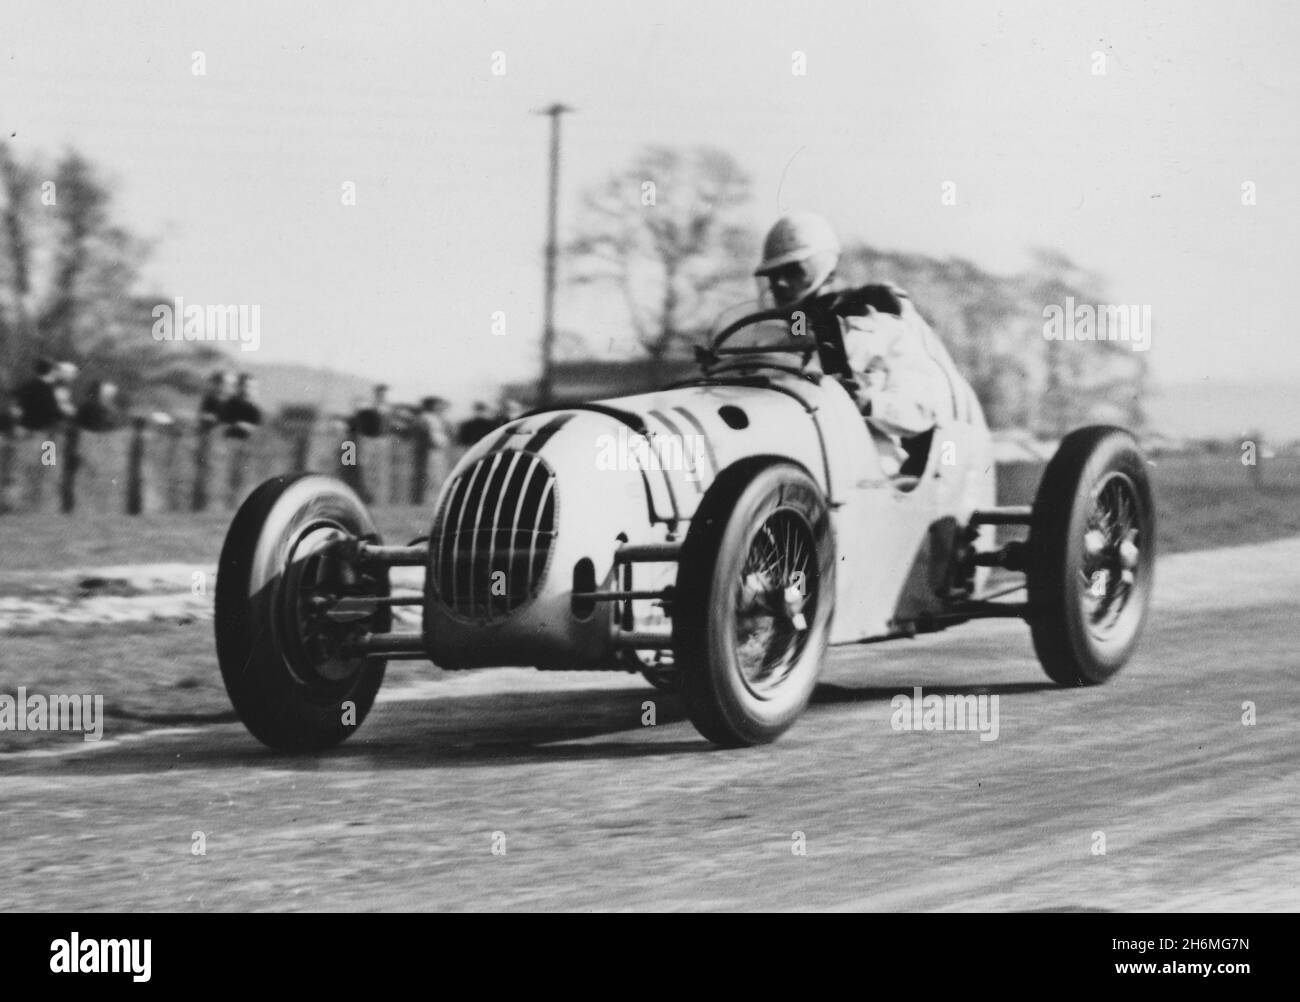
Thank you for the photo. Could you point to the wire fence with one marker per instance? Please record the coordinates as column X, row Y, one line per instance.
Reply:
column 149, row 467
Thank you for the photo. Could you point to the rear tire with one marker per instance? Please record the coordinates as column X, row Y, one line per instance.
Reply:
column 754, row 599
column 1091, row 556
column 279, row 658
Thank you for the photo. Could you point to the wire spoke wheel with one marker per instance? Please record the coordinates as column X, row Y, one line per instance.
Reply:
column 773, row 599
column 1092, row 556
column 755, row 595
column 1111, row 553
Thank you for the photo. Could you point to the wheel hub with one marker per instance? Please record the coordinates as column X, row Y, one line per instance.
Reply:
column 315, row 578
column 1111, row 552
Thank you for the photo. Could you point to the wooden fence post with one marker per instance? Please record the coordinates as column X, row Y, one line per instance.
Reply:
column 237, row 461
column 71, row 463
column 419, row 465
column 395, row 449
column 34, row 470
column 202, row 455
column 350, row 449
column 7, row 501
column 135, row 468
column 397, row 470
column 1256, row 469
column 175, row 484
column 302, row 450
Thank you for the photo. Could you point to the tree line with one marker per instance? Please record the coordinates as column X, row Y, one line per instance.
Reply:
column 670, row 233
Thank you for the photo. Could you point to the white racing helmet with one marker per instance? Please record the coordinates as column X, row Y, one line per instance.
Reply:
column 801, row 236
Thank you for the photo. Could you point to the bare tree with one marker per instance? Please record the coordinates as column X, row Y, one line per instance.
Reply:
column 665, row 231
column 993, row 327
column 1079, row 378
column 18, row 185
column 68, row 276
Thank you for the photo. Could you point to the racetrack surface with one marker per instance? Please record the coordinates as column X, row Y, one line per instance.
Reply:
column 1198, row 810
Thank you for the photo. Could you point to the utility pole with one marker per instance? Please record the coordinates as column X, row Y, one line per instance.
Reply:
column 545, row 387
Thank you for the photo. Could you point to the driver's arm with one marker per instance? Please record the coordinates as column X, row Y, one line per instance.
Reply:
column 898, row 382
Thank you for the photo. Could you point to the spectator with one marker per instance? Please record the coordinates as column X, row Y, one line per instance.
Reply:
column 46, row 399
column 214, row 400
column 373, row 421
column 98, row 412
column 240, row 414
column 432, row 445
column 47, row 409
column 432, row 420
column 477, row 426
column 402, row 419
column 212, row 409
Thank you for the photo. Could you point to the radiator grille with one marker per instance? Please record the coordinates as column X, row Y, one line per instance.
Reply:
column 493, row 535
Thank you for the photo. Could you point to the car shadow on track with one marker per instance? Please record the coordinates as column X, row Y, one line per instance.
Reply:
column 462, row 730
column 828, row 693
column 457, row 731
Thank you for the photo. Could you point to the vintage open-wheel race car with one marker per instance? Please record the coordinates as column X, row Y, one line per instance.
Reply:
column 715, row 536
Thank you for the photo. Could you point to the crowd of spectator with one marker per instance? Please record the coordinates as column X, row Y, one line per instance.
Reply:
column 45, row 402
column 429, row 421
column 230, row 403
column 427, row 427
column 56, row 401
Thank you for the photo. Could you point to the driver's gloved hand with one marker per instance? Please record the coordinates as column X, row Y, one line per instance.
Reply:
column 882, row 297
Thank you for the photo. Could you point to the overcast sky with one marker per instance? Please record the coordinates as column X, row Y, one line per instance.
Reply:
column 1136, row 172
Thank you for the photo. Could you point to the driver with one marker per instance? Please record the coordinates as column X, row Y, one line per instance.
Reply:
column 895, row 357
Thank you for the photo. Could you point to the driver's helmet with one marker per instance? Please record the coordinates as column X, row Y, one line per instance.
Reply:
column 802, row 239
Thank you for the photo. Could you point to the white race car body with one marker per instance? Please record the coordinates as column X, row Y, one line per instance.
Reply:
column 526, row 507
column 715, row 536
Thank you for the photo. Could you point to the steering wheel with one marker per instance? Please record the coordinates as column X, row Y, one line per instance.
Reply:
column 824, row 305
column 733, row 364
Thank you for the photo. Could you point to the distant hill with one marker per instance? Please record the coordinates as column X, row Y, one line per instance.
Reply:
column 291, row 383
column 280, row 383
column 1206, row 409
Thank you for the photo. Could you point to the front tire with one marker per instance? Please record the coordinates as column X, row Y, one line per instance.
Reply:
column 754, row 599
column 1092, row 556
column 280, row 657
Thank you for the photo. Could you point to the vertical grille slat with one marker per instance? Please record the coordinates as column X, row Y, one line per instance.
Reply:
column 458, row 532
column 455, row 497
column 513, row 541
column 474, row 531
column 542, row 509
column 494, row 531
column 499, row 516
